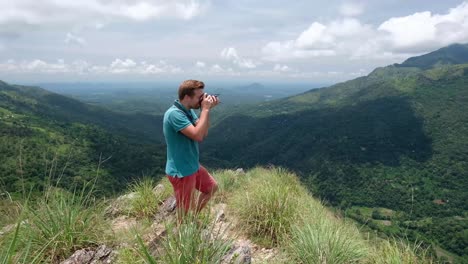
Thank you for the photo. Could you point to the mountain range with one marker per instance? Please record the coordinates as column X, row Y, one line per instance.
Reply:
column 393, row 144
column 394, row 139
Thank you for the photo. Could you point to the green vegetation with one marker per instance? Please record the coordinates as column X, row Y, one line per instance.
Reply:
column 50, row 229
column 146, row 200
column 396, row 139
column 46, row 137
column 268, row 207
column 196, row 240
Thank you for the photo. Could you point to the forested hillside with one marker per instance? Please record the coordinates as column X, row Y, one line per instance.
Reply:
column 45, row 136
column 395, row 141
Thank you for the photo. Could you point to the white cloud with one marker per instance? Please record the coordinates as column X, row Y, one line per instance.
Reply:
column 424, row 31
column 73, row 39
column 70, row 12
column 217, row 69
column 281, row 68
column 200, row 64
column 321, row 40
column 159, row 67
column 230, row 54
column 351, row 9
column 118, row 66
column 122, row 66
column 395, row 39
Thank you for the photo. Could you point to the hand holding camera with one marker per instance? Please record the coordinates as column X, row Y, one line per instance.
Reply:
column 209, row 101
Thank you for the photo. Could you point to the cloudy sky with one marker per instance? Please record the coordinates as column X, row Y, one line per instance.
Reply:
column 312, row 41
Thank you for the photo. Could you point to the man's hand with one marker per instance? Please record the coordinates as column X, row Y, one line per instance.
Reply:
column 209, row 101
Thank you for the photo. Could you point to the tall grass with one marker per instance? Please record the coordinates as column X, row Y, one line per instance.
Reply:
column 326, row 241
column 54, row 226
column 267, row 205
column 195, row 240
column 145, row 202
column 399, row 251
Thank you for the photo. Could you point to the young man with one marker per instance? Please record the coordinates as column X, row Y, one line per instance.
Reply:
column 182, row 131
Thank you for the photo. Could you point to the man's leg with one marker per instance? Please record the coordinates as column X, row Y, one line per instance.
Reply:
column 183, row 190
column 207, row 186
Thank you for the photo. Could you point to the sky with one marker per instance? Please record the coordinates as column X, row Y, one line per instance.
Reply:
column 297, row 41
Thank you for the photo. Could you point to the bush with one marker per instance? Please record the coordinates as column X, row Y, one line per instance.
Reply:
column 195, row 240
column 326, row 241
column 398, row 251
column 55, row 226
column 268, row 204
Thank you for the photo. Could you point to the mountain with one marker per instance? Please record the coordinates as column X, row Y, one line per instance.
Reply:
column 395, row 139
column 453, row 54
column 44, row 135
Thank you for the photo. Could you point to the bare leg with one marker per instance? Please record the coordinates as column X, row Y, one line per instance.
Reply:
column 204, row 198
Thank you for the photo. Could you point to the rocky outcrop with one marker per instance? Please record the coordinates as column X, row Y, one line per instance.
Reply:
column 99, row 255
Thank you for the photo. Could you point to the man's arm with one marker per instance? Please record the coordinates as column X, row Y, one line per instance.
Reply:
column 200, row 131
column 196, row 124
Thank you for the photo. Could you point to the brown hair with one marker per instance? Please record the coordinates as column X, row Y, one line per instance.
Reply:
column 188, row 87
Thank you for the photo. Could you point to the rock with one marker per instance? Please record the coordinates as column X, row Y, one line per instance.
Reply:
column 240, row 253
column 123, row 222
column 7, row 229
column 219, row 210
column 100, row 255
column 169, row 204
column 158, row 189
column 240, row 171
column 121, row 205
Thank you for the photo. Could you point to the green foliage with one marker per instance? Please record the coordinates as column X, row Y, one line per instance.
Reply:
column 195, row 240
column 146, row 199
column 145, row 203
column 397, row 251
column 327, row 241
column 453, row 54
column 45, row 136
column 395, row 139
column 268, row 204
column 56, row 225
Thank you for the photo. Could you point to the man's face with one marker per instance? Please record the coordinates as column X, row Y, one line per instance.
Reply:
column 196, row 99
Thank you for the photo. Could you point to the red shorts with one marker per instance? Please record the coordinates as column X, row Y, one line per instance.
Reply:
column 184, row 187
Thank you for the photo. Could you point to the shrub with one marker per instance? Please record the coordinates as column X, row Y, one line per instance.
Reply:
column 268, row 204
column 399, row 251
column 326, row 241
column 195, row 240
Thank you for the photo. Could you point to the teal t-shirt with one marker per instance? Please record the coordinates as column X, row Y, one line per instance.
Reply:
column 182, row 152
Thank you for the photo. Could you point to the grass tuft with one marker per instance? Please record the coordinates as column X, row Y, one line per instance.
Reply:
column 326, row 241
column 195, row 240
column 267, row 206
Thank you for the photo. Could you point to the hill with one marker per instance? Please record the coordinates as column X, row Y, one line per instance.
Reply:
column 395, row 139
column 44, row 135
column 453, row 54
column 278, row 223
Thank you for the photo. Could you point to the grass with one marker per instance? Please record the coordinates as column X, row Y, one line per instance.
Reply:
column 54, row 226
column 326, row 241
column 399, row 251
column 195, row 240
column 269, row 206
column 145, row 202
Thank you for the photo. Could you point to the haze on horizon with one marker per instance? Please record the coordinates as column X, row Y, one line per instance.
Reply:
column 300, row 41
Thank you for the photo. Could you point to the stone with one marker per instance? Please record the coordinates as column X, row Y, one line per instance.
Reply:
column 121, row 205
column 240, row 253
column 100, row 255
column 240, row 171
column 158, row 189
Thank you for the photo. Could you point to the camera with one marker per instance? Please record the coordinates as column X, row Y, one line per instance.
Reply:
column 203, row 96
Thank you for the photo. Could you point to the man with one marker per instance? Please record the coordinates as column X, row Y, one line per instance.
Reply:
column 182, row 131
